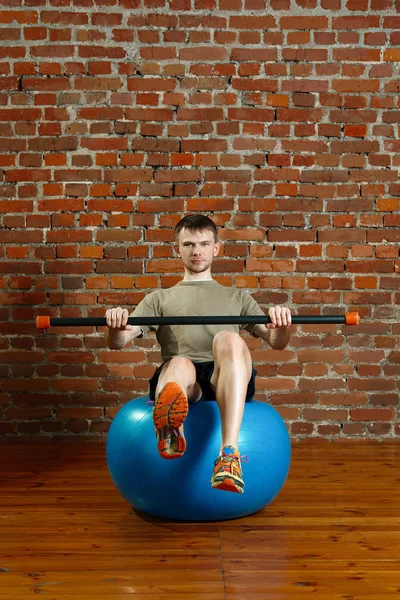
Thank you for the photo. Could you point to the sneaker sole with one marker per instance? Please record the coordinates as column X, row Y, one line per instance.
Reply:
column 170, row 410
column 171, row 407
column 165, row 452
column 228, row 485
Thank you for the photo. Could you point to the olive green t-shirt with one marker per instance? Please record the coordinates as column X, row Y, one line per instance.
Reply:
column 194, row 298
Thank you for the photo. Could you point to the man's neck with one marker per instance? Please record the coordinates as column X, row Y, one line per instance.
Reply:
column 206, row 276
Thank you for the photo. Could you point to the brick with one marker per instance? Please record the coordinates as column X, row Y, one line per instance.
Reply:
column 127, row 356
column 332, row 266
column 329, row 356
column 279, row 383
column 302, row 428
column 343, row 399
column 251, row 114
column 128, row 175
column 318, row 414
column 20, row 16
column 270, row 265
column 372, row 414
column 304, row 23
column 243, row 234
column 321, row 384
column 20, row 357
column 371, row 384
column 262, row 85
column 201, row 54
column 370, row 266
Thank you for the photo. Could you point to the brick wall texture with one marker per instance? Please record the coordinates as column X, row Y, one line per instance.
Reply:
column 280, row 120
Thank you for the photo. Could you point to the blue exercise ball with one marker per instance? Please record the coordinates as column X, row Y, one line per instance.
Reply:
column 180, row 489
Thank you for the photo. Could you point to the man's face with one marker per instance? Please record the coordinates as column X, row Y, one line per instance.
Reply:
column 197, row 249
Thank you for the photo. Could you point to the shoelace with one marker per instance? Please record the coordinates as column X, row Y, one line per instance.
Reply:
column 242, row 458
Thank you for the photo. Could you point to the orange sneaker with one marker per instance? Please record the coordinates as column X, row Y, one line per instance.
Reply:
column 170, row 411
column 228, row 471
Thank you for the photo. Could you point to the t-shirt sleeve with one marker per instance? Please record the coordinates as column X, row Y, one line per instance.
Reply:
column 148, row 307
column 252, row 308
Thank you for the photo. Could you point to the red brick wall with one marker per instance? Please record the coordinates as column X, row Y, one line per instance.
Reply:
column 279, row 120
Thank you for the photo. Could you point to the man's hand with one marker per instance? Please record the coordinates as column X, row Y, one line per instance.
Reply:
column 118, row 333
column 280, row 317
column 117, row 318
column 277, row 332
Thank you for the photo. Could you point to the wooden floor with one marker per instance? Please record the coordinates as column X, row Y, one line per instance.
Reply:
column 333, row 532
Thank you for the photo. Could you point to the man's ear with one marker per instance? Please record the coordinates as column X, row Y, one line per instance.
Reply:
column 217, row 248
column 176, row 248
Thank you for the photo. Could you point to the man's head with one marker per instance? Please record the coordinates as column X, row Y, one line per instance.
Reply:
column 194, row 223
column 196, row 244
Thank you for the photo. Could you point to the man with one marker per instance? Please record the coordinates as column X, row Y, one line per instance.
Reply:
column 201, row 362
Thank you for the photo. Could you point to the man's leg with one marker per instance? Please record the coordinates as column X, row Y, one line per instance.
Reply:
column 181, row 371
column 176, row 387
column 232, row 373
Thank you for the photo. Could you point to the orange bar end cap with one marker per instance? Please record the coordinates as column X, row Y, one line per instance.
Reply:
column 352, row 318
column 43, row 322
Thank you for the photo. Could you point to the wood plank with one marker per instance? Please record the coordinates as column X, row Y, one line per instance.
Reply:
column 110, row 595
column 165, row 581
column 319, row 581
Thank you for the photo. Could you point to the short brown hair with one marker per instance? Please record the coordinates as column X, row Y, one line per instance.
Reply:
column 196, row 222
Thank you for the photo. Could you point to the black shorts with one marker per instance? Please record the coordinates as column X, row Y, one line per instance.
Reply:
column 204, row 371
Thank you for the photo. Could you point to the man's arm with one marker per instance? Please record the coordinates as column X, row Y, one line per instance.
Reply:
column 118, row 333
column 276, row 333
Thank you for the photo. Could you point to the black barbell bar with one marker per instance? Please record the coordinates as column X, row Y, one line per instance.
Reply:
column 350, row 318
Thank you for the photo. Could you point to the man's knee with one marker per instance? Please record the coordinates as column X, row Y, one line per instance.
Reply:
column 181, row 370
column 228, row 342
column 181, row 364
column 231, row 351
